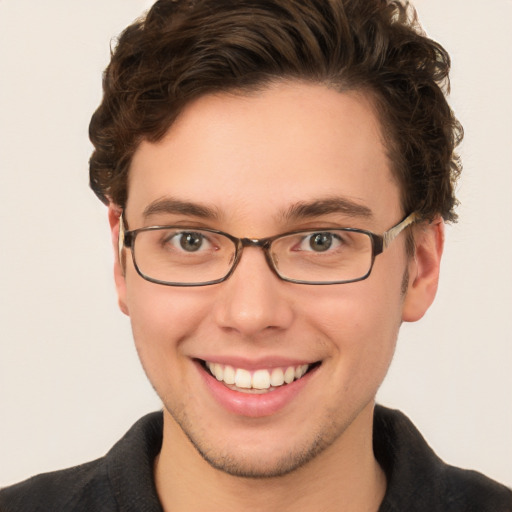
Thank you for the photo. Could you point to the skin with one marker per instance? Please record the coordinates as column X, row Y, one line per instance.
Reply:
column 250, row 158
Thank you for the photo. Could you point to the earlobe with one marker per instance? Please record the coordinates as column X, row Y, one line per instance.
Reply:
column 424, row 269
column 114, row 218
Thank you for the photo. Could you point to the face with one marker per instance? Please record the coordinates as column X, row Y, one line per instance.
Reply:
column 241, row 164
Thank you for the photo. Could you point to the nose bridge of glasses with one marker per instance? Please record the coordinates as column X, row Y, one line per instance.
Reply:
column 254, row 242
column 262, row 243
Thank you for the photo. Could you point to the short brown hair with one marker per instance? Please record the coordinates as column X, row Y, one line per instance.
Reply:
column 183, row 49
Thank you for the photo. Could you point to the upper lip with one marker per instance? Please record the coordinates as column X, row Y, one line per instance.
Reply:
column 256, row 364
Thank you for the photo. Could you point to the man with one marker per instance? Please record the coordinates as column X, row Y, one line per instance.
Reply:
column 277, row 175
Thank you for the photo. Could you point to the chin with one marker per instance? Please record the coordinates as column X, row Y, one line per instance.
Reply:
column 257, row 465
column 260, row 454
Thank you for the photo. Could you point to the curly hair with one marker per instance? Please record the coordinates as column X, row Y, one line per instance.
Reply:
column 183, row 49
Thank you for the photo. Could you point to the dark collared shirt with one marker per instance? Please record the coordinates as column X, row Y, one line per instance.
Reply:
column 122, row 481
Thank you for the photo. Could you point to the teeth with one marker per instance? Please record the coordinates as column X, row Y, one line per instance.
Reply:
column 277, row 377
column 289, row 375
column 300, row 371
column 229, row 375
column 243, row 379
column 218, row 371
column 260, row 379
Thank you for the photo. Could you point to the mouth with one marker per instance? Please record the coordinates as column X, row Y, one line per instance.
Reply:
column 259, row 381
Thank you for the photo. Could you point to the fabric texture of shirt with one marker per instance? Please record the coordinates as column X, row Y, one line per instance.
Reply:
column 122, row 481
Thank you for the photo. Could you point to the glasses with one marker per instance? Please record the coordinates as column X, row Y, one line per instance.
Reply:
column 187, row 256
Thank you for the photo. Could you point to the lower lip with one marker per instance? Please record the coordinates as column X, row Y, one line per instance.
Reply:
column 250, row 404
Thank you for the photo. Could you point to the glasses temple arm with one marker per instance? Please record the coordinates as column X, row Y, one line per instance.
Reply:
column 120, row 238
column 393, row 232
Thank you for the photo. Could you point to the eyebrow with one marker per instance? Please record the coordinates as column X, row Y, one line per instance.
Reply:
column 170, row 205
column 316, row 208
column 297, row 211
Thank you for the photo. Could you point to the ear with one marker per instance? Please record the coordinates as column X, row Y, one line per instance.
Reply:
column 114, row 216
column 424, row 269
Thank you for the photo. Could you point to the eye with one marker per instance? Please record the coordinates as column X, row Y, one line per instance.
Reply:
column 320, row 242
column 189, row 241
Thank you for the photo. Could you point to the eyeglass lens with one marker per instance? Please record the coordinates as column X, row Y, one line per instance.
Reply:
column 178, row 255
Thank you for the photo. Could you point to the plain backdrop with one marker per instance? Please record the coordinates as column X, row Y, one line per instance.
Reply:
column 70, row 381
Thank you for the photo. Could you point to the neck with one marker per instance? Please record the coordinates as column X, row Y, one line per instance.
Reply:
column 345, row 476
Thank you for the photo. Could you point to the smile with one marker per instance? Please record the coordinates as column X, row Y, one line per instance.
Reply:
column 261, row 380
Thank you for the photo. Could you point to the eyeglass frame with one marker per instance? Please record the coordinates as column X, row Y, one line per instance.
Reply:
column 379, row 244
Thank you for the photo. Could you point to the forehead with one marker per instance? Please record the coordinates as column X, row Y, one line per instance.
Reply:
column 256, row 154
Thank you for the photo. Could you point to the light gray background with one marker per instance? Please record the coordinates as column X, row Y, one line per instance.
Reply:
column 70, row 381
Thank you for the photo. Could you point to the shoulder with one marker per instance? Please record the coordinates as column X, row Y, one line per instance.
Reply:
column 474, row 491
column 419, row 480
column 81, row 488
column 122, row 480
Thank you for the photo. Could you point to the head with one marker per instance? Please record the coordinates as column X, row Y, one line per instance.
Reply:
column 183, row 50
column 255, row 118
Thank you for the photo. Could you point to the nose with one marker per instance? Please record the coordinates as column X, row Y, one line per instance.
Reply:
column 253, row 301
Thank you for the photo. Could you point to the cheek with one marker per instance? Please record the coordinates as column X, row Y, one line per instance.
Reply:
column 357, row 311
column 162, row 318
column 361, row 322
